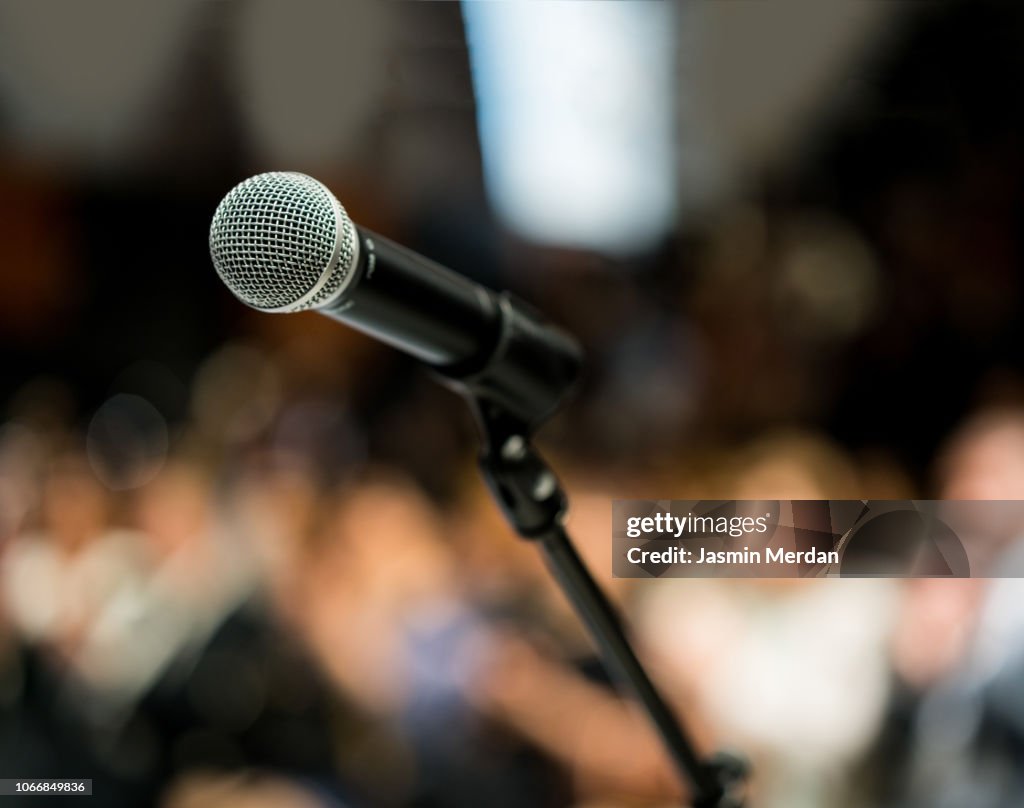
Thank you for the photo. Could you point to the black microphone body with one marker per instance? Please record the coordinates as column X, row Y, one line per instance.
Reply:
column 490, row 345
column 418, row 306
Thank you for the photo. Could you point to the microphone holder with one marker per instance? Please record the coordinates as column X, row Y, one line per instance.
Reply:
column 534, row 503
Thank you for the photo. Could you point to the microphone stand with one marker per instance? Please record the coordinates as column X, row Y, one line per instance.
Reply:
column 533, row 502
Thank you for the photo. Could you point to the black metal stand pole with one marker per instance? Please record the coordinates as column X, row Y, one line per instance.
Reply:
column 532, row 500
column 606, row 630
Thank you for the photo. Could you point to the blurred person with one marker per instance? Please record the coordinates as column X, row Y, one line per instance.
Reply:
column 791, row 671
column 175, row 513
column 380, row 567
column 276, row 508
column 386, row 612
column 58, row 579
column 60, row 573
column 982, row 460
column 21, row 459
column 191, row 577
column 793, row 464
column 955, row 730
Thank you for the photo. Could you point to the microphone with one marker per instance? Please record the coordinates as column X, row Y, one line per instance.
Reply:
column 282, row 242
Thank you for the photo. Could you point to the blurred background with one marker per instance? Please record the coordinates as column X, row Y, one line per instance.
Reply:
column 245, row 559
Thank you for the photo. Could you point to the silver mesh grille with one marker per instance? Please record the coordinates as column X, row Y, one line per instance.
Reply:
column 275, row 242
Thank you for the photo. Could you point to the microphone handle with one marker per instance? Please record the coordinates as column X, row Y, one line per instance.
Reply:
column 419, row 306
column 491, row 347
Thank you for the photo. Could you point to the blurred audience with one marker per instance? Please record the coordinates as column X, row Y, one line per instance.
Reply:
column 259, row 629
column 209, row 596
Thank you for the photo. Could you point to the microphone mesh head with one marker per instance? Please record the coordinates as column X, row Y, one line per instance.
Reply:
column 282, row 242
